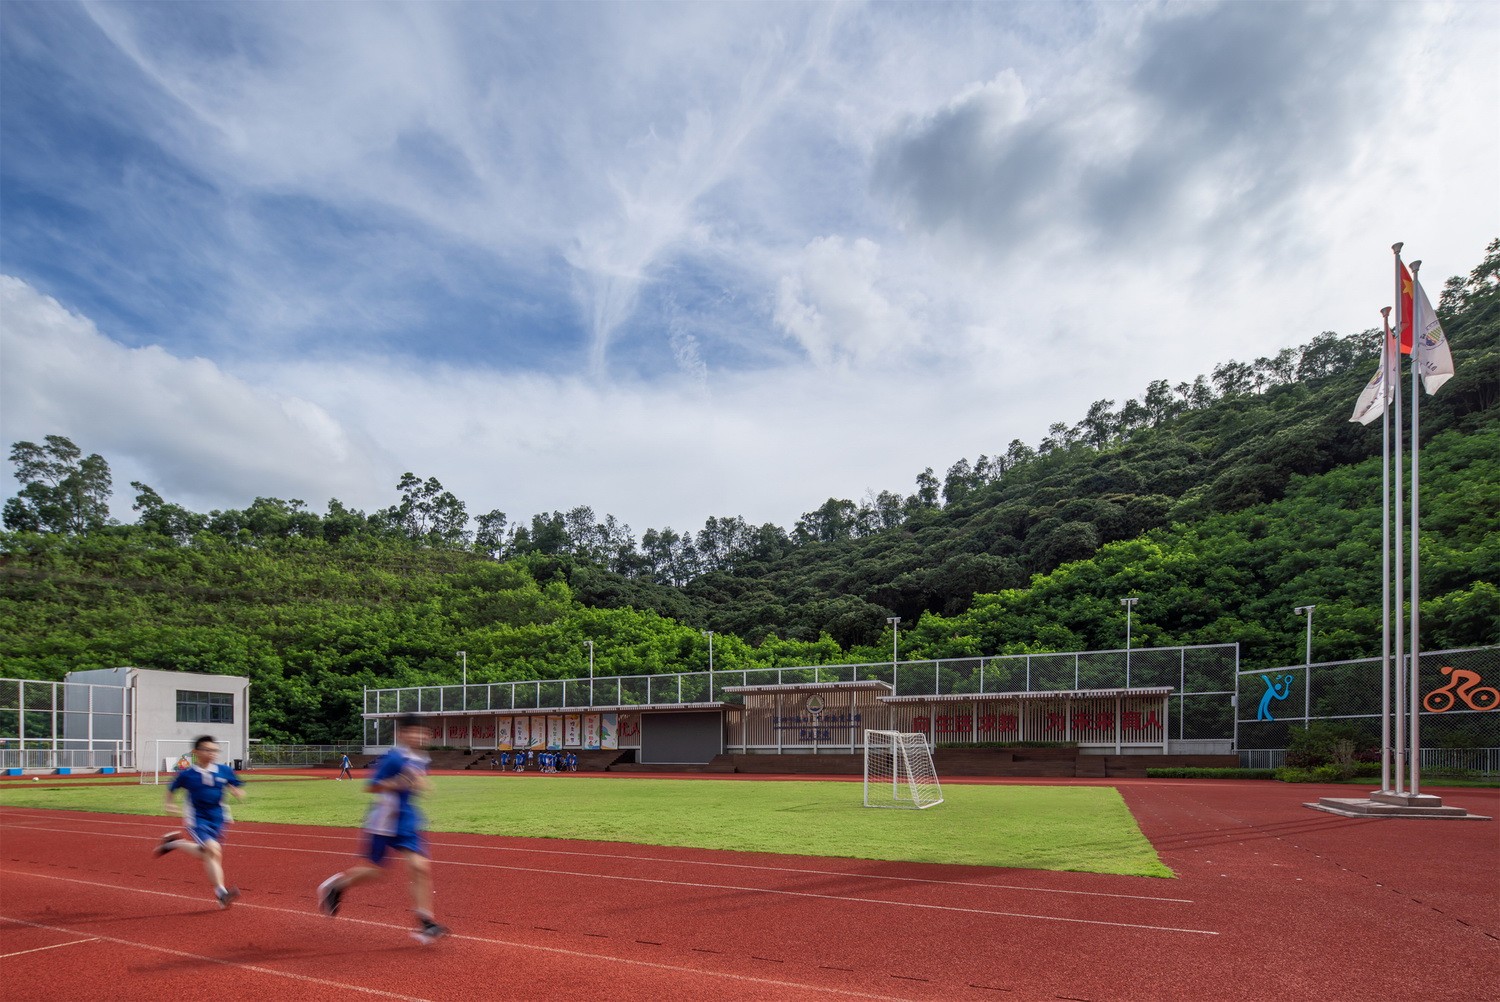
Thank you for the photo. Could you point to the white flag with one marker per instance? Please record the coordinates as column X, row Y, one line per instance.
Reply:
column 1434, row 360
column 1376, row 397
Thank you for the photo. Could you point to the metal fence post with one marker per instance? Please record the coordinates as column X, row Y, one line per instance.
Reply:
column 1307, row 700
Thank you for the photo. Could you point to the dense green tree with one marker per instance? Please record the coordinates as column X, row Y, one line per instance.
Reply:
column 170, row 520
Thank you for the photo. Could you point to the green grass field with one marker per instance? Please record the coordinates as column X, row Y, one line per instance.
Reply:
column 1086, row 829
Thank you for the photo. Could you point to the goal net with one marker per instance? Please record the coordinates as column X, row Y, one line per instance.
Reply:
column 160, row 759
column 899, row 772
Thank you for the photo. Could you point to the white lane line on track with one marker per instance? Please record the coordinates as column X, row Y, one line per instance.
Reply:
column 217, row 960
column 715, row 863
column 560, row 951
column 701, row 885
column 54, row 946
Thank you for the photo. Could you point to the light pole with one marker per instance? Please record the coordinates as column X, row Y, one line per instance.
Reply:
column 710, row 635
column 895, row 622
column 1307, row 610
column 590, row 645
column 1129, row 604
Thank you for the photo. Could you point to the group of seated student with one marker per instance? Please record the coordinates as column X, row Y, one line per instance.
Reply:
column 547, row 761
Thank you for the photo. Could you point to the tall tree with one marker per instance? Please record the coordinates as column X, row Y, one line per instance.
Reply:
column 489, row 533
column 1099, row 423
column 1159, row 402
column 163, row 518
column 64, row 491
column 927, row 491
column 427, row 513
column 958, row 482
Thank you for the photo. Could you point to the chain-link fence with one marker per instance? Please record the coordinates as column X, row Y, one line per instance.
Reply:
column 1459, row 695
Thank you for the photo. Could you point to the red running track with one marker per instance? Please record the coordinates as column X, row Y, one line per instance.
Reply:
column 1272, row 901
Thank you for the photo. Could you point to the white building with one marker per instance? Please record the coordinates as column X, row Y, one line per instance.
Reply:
column 166, row 711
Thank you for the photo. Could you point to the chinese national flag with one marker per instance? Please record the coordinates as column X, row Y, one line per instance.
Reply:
column 1404, row 308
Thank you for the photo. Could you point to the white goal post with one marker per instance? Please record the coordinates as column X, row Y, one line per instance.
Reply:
column 158, row 758
column 899, row 772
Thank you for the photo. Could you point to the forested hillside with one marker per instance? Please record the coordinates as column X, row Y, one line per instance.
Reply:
column 1221, row 504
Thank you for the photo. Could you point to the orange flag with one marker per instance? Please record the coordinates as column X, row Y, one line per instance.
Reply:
column 1404, row 308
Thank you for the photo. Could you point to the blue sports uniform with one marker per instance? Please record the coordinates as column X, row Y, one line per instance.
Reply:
column 203, row 812
column 394, row 821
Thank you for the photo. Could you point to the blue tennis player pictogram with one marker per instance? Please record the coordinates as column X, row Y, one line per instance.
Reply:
column 1278, row 689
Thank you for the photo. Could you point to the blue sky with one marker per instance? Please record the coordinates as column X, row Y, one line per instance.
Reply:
column 674, row 261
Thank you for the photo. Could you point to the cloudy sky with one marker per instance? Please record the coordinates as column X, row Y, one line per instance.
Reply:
column 674, row 261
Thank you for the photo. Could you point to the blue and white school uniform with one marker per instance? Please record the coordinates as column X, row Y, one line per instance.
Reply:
column 203, row 812
column 394, row 821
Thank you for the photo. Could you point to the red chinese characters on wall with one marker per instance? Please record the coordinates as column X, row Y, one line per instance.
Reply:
column 1089, row 720
column 1055, row 724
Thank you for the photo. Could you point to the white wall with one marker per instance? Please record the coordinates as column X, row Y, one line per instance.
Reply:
column 156, row 713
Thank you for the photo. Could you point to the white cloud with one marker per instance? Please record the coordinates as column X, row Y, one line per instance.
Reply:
column 838, row 305
column 197, row 434
column 704, row 259
column 652, row 455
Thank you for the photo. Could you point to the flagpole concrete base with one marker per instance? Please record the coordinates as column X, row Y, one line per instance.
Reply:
column 1406, row 799
column 1384, row 804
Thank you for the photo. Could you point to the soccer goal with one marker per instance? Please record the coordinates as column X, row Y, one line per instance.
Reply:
column 899, row 772
column 159, row 759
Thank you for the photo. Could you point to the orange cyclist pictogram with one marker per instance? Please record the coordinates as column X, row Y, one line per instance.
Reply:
column 1465, row 684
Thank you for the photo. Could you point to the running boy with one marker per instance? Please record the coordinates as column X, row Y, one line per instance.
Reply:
column 203, row 814
column 395, row 825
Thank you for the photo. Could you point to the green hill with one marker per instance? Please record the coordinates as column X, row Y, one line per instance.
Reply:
column 1221, row 504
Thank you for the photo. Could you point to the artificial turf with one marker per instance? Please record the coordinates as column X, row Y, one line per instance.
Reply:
column 1084, row 828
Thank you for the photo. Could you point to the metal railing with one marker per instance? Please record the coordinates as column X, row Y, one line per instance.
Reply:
column 50, row 759
column 1199, row 670
column 269, row 756
column 1480, row 761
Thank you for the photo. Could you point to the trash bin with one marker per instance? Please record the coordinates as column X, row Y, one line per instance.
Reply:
column 239, row 765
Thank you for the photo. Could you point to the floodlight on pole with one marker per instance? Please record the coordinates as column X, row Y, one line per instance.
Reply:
column 1129, row 604
column 1307, row 610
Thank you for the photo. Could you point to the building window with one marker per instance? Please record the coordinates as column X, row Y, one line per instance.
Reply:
column 205, row 707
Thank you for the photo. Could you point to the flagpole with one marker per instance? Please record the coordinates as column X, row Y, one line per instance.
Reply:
column 1399, row 574
column 1416, row 612
column 1386, row 347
